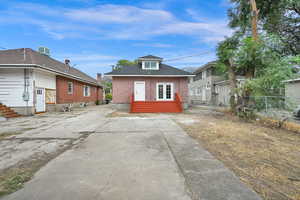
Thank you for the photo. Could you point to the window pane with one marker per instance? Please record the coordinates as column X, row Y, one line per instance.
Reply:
column 70, row 87
column 168, row 91
column 147, row 65
column 160, row 92
column 153, row 65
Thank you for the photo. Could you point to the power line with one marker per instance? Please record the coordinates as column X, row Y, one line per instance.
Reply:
column 183, row 57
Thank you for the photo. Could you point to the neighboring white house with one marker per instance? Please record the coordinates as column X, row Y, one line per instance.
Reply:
column 201, row 87
column 292, row 90
column 31, row 82
column 222, row 91
column 15, row 83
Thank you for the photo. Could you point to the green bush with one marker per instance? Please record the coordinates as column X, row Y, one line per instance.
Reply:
column 97, row 102
column 108, row 97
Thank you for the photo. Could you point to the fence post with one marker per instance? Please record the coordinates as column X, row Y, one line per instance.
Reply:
column 266, row 103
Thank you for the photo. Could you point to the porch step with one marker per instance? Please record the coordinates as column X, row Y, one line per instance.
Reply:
column 155, row 107
column 7, row 112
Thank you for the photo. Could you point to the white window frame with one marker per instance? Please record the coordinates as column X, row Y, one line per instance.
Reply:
column 150, row 68
column 72, row 87
column 88, row 91
column 165, row 92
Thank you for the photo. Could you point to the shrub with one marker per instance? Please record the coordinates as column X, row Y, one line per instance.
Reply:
column 108, row 97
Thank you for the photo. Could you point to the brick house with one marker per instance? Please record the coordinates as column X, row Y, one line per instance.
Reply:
column 150, row 86
column 33, row 82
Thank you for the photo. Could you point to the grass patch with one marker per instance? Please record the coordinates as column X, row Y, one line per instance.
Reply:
column 8, row 134
column 14, row 180
column 267, row 159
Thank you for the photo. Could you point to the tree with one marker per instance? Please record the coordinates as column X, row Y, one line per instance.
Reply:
column 239, row 53
column 225, row 52
column 280, row 17
column 124, row 62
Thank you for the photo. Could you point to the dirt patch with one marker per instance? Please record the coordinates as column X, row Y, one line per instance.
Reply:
column 13, row 178
column 266, row 159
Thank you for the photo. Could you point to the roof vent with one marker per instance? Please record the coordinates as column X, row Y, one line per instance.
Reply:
column 44, row 51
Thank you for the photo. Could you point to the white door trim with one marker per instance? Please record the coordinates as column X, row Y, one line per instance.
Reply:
column 139, row 93
column 165, row 91
column 38, row 106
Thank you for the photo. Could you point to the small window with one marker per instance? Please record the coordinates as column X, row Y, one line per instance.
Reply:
column 198, row 76
column 86, row 91
column 39, row 91
column 70, row 87
column 199, row 91
column 150, row 65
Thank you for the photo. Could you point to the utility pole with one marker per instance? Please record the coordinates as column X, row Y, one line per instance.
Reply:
column 254, row 19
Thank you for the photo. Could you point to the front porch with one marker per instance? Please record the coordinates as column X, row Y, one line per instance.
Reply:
column 174, row 106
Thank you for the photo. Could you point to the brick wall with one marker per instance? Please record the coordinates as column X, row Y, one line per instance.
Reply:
column 62, row 95
column 123, row 87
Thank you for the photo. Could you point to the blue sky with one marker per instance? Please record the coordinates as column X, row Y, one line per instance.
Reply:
column 94, row 34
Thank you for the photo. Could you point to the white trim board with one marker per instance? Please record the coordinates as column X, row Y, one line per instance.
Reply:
column 34, row 66
column 153, row 75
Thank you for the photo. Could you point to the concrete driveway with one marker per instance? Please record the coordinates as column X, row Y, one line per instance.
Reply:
column 135, row 158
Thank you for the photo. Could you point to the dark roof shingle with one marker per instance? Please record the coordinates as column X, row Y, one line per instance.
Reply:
column 28, row 56
column 207, row 65
column 164, row 70
column 150, row 57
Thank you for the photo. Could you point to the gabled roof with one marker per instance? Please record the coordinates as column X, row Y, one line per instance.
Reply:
column 150, row 57
column 206, row 66
column 28, row 57
column 136, row 70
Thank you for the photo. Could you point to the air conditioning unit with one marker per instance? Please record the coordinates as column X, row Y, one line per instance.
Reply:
column 44, row 51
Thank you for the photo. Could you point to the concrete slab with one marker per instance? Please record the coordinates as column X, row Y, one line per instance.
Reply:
column 2, row 119
column 131, row 166
column 142, row 158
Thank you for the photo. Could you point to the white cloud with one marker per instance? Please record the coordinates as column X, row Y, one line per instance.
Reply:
column 158, row 45
column 119, row 14
column 110, row 21
column 82, row 57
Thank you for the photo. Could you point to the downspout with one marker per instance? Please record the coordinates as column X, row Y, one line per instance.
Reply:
column 26, row 90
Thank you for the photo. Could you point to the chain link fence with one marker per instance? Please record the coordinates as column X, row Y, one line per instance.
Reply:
column 278, row 107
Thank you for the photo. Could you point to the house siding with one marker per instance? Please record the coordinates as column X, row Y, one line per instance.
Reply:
column 123, row 87
column 292, row 92
column 12, row 87
column 44, row 80
column 63, row 97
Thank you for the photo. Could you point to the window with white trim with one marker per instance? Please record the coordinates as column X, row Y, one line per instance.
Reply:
column 151, row 65
column 70, row 87
column 86, row 91
column 164, row 92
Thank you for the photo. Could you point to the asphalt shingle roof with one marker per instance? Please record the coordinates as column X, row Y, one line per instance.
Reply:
column 150, row 57
column 137, row 70
column 207, row 65
column 28, row 56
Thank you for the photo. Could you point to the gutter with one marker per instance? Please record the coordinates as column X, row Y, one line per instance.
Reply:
column 141, row 75
column 33, row 66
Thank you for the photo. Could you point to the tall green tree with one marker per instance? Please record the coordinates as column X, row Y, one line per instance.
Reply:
column 280, row 17
column 124, row 62
column 226, row 52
